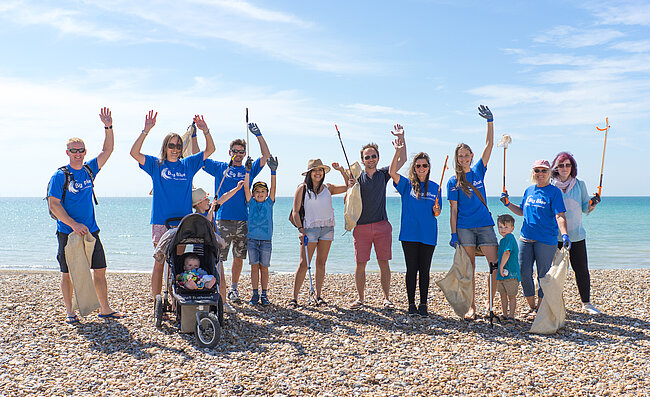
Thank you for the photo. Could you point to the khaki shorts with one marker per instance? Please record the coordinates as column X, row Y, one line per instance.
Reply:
column 234, row 233
column 509, row 286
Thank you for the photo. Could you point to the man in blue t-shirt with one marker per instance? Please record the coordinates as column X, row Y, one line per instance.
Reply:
column 233, row 215
column 75, row 214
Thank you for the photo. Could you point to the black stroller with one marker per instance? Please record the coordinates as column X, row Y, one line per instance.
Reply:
column 197, row 310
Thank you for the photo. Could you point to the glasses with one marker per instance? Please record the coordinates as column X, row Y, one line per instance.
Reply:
column 564, row 165
column 80, row 150
column 175, row 146
column 372, row 156
column 425, row 165
column 238, row 151
column 543, row 170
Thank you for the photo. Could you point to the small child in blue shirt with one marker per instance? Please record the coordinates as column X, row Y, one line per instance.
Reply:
column 260, row 202
column 509, row 275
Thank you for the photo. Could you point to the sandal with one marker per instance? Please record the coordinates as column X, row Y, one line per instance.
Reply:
column 470, row 317
column 530, row 314
column 356, row 305
column 293, row 304
column 72, row 319
column 388, row 305
column 320, row 302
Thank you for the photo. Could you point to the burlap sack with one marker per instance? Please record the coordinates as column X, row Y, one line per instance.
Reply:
column 352, row 200
column 78, row 256
column 457, row 284
column 551, row 314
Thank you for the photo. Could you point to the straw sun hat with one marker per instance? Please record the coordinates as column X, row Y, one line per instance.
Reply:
column 198, row 195
column 316, row 163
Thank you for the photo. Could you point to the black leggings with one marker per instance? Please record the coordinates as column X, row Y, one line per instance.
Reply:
column 418, row 259
column 580, row 267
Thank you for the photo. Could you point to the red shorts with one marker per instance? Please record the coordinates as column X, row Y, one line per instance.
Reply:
column 379, row 233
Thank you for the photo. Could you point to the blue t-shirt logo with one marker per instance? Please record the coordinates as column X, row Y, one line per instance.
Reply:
column 165, row 173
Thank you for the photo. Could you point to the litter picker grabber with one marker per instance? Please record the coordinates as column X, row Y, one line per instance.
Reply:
column 504, row 142
column 343, row 147
column 216, row 194
column 311, row 284
column 492, row 316
column 444, row 168
column 596, row 198
column 248, row 147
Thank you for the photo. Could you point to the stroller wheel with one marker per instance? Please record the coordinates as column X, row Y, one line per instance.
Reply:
column 207, row 330
column 158, row 311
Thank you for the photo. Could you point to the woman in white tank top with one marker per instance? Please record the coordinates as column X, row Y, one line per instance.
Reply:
column 316, row 223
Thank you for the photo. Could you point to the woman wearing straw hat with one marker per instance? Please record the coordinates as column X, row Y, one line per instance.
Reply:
column 564, row 172
column 317, row 224
column 542, row 207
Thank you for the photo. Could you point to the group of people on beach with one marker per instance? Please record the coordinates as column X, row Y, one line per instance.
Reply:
column 242, row 211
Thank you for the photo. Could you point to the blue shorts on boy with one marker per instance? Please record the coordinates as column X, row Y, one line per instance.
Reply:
column 509, row 243
column 260, row 231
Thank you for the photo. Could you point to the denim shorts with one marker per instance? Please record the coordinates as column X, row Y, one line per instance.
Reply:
column 477, row 236
column 259, row 252
column 319, row 233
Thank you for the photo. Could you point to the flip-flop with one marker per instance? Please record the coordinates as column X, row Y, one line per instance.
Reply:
column 356, row 305
column 470, row 318
column 72, row 319
column 115, row 315
column 293, row 304
column 388, row 305
column 320, row 302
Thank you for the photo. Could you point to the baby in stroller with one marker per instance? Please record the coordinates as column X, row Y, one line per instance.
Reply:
column 194, row 277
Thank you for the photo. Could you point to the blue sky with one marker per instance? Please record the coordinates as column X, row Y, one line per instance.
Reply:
column 550, row 71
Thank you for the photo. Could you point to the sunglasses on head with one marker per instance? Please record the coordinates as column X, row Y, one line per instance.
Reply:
column 80, row 150
column 543, row 171
column 175, row 146
column 242, row 151
column 564, row 165
column 425, row 165
column 372, row 156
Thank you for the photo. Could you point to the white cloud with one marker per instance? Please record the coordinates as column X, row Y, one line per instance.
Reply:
column 246, row 9
column 632, row 46
column 570, row 37
column 382, row 109
column 621, row 13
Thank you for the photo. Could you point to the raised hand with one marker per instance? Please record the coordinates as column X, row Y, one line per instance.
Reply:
column 398, row 143
column 254, row 129
column 398, row 132
column 249, row 164
column 504, row 198
column 272, row 163
column 485, row 112
column 200, row 123
column 150, row 121
column 337, row 166
column 240, row 185
column 105, row 116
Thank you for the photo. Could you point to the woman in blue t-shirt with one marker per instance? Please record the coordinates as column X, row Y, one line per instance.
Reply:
column 419, row 227
column 542, row 207
column 471, row 222
column 172, row 176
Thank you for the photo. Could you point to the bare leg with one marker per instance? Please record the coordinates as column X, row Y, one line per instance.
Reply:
column 237, row 264
column 360, row 279
column 156, row 279
column 264, row 277
column 301, row 272
column 504, row 303
column 222, row 282
column 66, row 290
column 321, row 260
column 531, row 302
column 255, row 276
column 99, row 279
column 384, row 275
column 512, row 303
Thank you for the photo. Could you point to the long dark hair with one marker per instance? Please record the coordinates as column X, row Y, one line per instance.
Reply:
column 461, row 180
column 555, row 174
column 310, row 184
column 413, row 177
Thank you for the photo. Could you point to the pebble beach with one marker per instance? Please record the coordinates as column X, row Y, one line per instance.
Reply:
column 324, row 351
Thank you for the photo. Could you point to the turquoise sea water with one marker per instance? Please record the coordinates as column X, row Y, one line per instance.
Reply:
column 618, row 235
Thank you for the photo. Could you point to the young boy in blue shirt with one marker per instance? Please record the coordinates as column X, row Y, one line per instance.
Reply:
column 260, row 202
column 509, row 275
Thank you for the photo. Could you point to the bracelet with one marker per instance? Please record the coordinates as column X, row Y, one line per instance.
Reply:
column 109, row 127
column 144, row 132
column 490, row 120
column 273, row 172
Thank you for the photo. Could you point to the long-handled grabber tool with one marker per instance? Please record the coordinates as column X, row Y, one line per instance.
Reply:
column 444, row 168
column 216, row 194
column 312, row 294
column 247, row 141
column 504, row 142
column 492, row 316
column 343, row 147
column 596, row 198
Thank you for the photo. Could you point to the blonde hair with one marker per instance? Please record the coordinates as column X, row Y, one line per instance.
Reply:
column 74, row 140
column 413, row 177
column 532, row 176
column 461, row 180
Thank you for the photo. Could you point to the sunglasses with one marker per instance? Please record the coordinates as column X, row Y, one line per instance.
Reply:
column 564, row 165
column 425, row 166
column 543, row 170
column 80, row 150
column 175, row 146
column 238, row 151
column 372, row 156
